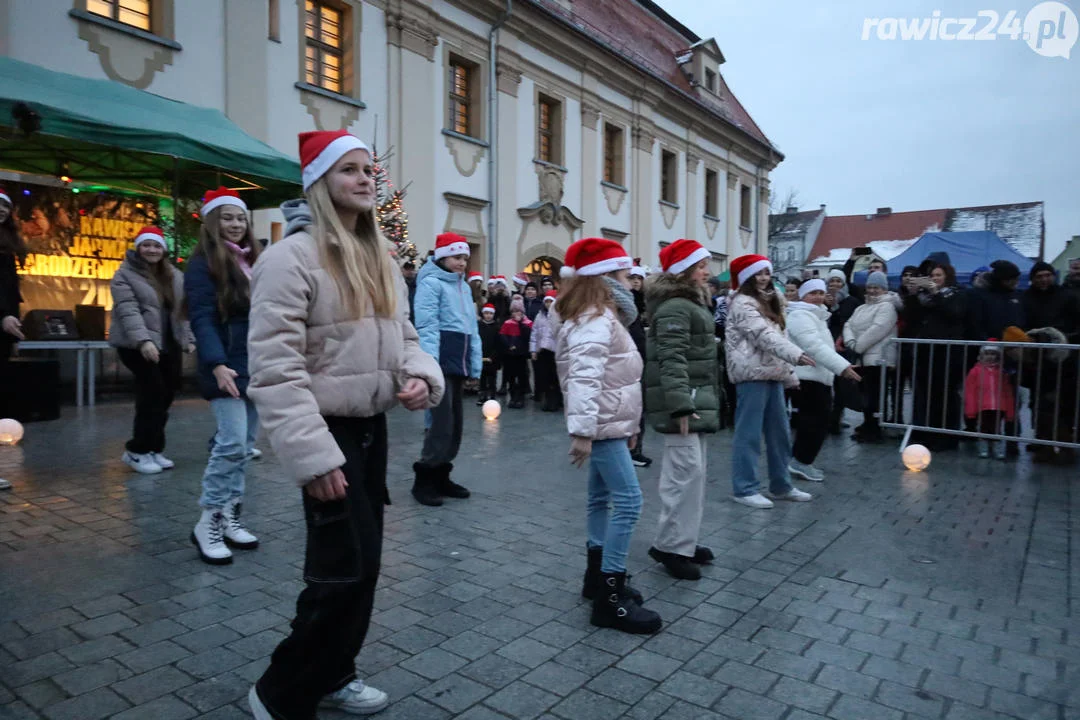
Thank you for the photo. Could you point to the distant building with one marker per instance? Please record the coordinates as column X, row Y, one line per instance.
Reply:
column 1069, row 252
column 888, row 233
column 791, row 235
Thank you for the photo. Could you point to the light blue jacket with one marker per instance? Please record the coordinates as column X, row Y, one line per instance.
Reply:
column 445, row 319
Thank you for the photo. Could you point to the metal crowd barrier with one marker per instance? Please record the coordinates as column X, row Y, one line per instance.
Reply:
column 1046, row 375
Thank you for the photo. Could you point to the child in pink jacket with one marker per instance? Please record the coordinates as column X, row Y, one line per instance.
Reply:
column 989, row 397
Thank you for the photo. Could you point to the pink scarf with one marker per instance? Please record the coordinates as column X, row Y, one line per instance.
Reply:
column 241, row 255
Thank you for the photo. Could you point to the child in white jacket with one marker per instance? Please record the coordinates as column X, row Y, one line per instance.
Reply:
column 808, row 327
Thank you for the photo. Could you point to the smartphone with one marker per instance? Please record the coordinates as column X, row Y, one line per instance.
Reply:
column 863, row 251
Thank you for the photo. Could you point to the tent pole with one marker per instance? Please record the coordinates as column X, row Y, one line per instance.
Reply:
column 176, row 208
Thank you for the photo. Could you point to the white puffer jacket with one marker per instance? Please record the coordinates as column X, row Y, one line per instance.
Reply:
column 600, row 374
column 755, row 346
column 808, row 327
column 871, row 329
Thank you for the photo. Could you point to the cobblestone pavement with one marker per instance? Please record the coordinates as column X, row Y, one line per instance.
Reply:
column 947, row 594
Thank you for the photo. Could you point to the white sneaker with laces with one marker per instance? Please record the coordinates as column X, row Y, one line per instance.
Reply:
column 209, row 537
column 4, row 484
column 794, row 495
column 356, row 698
column 235, row 533
column 164, row 462
column 806, row 472
column 141, row 462
column 757, row 500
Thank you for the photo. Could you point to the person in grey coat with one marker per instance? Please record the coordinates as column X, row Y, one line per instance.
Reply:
column 150, row 334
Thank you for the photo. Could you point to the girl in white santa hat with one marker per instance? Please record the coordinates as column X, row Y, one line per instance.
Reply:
column 332, row 350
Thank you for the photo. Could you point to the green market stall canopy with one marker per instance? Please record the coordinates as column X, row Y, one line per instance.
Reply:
column 103, row 132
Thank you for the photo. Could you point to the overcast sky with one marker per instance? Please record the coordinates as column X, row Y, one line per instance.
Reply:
column 912, row 125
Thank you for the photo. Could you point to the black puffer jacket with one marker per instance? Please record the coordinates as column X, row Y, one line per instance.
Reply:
column 992, row 308
column 939, row 315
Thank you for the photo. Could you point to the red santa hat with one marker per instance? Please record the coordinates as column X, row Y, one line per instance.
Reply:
column 497, row 280
column 222, row 196
column 151, row 234
column 521, row 279
column 595, row 256
column 488, row 308
column 550, row 295
column 449, row 244
column 476, row 276
column 320, row 149
column 682, row 255
column 745, row 267
column 4, row 196
column 637, row 270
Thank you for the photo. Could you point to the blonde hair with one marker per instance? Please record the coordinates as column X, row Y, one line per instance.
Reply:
column 358, row 260
column 231, row 285
column 583, row 295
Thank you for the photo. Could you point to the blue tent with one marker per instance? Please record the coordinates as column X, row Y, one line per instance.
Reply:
column 967, row 252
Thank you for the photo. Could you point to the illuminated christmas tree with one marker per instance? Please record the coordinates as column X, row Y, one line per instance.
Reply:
column 393, row 219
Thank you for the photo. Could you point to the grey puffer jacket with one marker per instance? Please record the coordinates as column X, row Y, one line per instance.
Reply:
column 600, row 373
column 136, row 313
column 755, row 346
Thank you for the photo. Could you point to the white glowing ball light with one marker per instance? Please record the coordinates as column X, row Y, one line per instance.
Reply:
column 916, row 457
column 11, row 431
column 492, row 409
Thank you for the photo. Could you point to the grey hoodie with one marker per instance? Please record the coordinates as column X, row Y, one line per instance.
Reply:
column 297, row 215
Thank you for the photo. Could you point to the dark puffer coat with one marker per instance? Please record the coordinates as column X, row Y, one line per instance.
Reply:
column 680, row 361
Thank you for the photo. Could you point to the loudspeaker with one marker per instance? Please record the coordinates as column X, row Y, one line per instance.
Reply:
column 50, row 325
column 30, row 389
column 90, row 322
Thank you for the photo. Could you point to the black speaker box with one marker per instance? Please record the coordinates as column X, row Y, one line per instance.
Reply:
column 50, row 325
column 90, row 322
column 30, row 390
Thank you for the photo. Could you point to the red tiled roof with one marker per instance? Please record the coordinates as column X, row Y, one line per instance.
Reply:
column 645, row 39
column 852, row 231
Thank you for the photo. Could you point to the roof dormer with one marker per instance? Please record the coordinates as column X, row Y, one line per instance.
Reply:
column 701, row 62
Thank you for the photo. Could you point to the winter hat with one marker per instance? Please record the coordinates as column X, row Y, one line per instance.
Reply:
column 517, row 306
column 834, row 273
column 1015, row 334
column 877, row 279
column 532, row 285
column 595, row 256
column 811, row 285
column 222, row 196
column 497, row 280
column 1003, row 270
column 682, row 255
column 4, row 196
column 521, row 279
column 151, row 234
column 489, row 308
column 745, row 267
column 550, row 295
column 1035, row 269
column 320, row 149
column 476, row 276
column 450, row 244
column 995, row 349
column 939, row 257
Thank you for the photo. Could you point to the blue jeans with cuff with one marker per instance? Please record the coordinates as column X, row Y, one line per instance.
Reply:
column 237, row 425
column 612, row 482
column 760, row 410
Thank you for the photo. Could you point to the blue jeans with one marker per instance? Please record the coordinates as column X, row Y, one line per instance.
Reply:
column 237, row 423
column 612, row 480
column 760, row 409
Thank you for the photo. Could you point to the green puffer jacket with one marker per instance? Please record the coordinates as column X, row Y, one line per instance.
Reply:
column 680, row 359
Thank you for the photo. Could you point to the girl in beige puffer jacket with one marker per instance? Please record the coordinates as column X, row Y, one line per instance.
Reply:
column 600, row 373
column 331, row 350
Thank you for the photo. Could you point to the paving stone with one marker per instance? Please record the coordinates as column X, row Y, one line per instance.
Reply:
column 94, row 650
column 90, row 677
column 433, row 663
column 455, row 693
column 894, row 670
column 494, row 671
column 966, row 691
column 1043, row 667
column 104, row 625
column 803, row 695
column 100, row 703
column 851, row 708
column 836, row 655
column 918, row 702
column 165, row 708
column 748, row 706
column 50, row 620
column 943, row 662
column 471, row 645
column 847, row 682
column 215, row 692
column 530, row 653
column 873, row 644
column 36, row 668
column 649, row 664
column 152, row 656
column 556, row 678
column 39, row 694
column 143, row 688
column 787, row 664
column 584, row 704
column 586, row 659
column 621, row 685
column 989, row 674
column 819, row 630
column 693, row 689
column 521, row 700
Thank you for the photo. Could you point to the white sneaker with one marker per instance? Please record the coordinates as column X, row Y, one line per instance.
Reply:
column 4, row 484
column 356, row 698
column 255, row 454
column 999, row 450
column 982, row 448
column 794, row 495
column 757, row 500
column 164, row 462
column 256, row 704
column 806, row 472
column 209, row 537
column 235, row 533
column 141, row 462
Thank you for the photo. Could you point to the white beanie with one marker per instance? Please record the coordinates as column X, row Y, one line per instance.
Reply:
column 834, row 273
column 810, row 286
